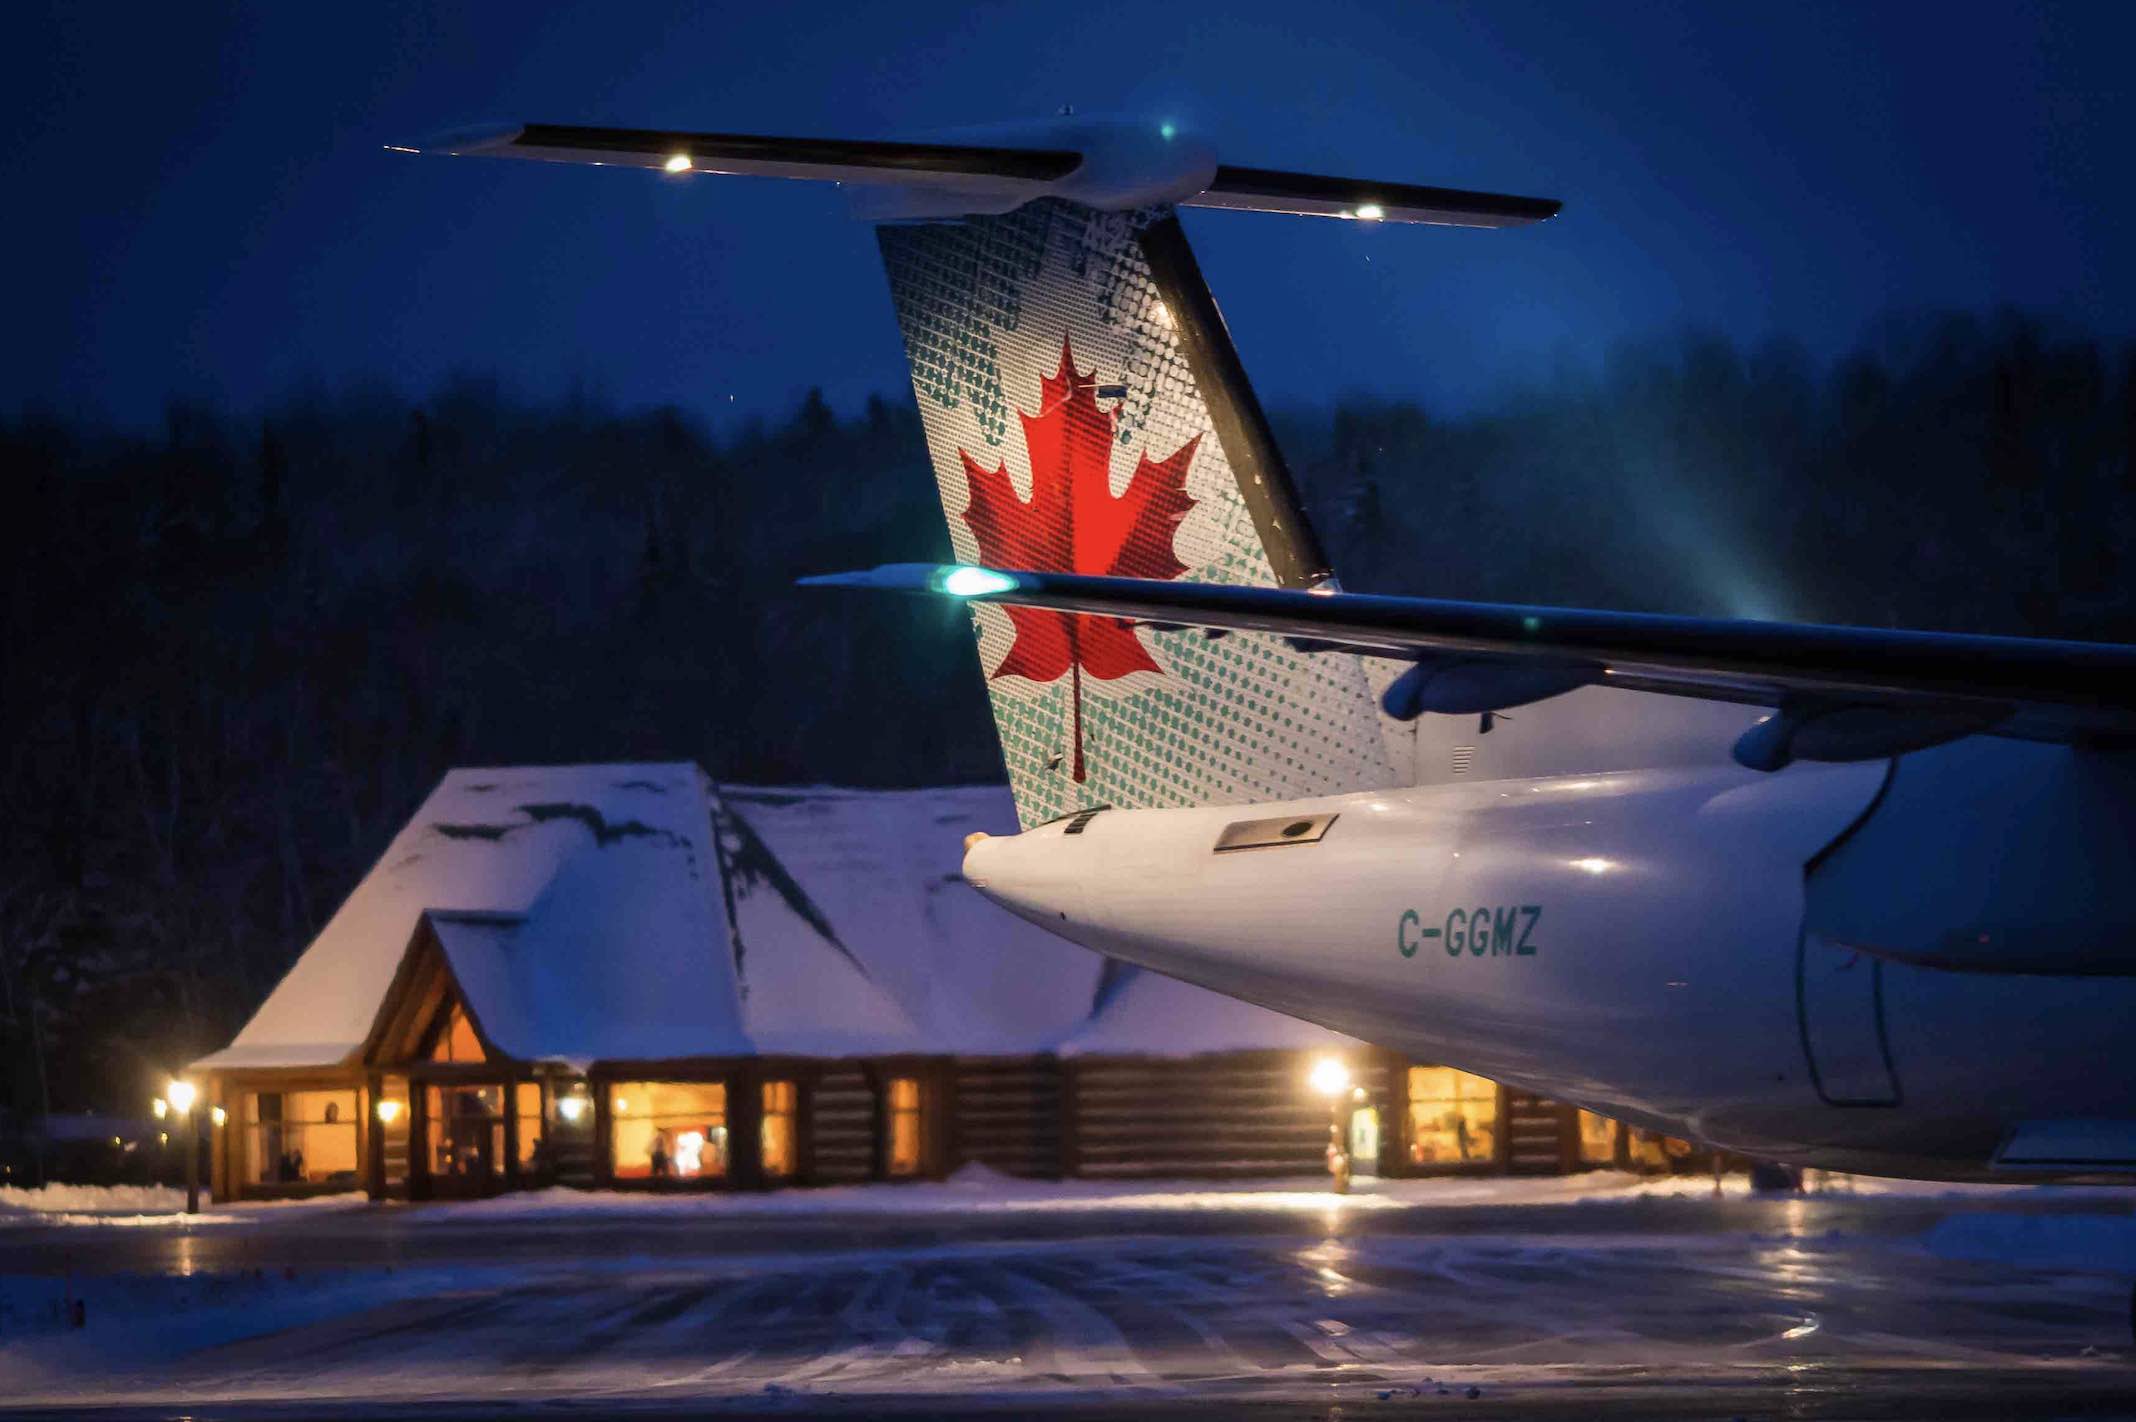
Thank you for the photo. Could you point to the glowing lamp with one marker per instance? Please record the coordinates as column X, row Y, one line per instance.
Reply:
column 974, row 582
column 161, row 1107
column 217, row 1115
column 679, row 163
column 1594, row 866
column 388, row 1110
column 181, row 1095
column 1371, row 211
column 573, row 1107
column 1330, row 1077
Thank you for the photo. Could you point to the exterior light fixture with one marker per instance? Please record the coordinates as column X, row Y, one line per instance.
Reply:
column 679, row 163
column 573, row 1107
column 1330, row 1077
column 161, row 1107
column 1371, row 211
column 218, row 1115
column 181, row 1095
column 388, row 1110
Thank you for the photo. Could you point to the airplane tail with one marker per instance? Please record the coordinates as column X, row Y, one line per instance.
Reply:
column 1086, row 412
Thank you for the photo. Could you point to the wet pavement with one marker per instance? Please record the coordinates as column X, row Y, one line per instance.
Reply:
column 1829, row 1307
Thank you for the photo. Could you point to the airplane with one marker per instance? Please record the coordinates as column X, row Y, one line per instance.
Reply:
column 1843, row 898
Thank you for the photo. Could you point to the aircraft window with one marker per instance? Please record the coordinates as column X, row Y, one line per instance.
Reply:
column 1275, row 833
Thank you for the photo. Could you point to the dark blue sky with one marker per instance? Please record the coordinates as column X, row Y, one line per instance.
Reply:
column 199, row 205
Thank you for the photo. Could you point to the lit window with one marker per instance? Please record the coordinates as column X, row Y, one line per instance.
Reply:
column 901, row 1126
column 456, row 1039
column 301, row 1138
column 667, row 1130
column 536, row 1157
column 1598, row 1139
column 463, row 1131
column 1453, row 1117
column 777, row 1133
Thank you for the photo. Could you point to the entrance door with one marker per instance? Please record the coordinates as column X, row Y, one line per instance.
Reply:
column 1365, row 1141
column 1841, row 991
column 463, row 1138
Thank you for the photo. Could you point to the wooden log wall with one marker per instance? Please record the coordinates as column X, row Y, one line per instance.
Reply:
column 1232, row 1115
column 843, row 1121
column 1006, row 1114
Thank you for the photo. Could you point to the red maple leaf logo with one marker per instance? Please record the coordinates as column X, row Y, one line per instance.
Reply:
column 1072, row 523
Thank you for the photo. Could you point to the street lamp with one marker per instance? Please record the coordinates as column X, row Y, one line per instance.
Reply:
column 181, row 1095
column 1331, row 1078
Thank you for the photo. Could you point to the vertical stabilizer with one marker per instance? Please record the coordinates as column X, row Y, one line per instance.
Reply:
column 1085, row 411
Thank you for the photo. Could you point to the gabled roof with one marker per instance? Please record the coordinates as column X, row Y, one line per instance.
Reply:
column 638, row 912
column 585, row 916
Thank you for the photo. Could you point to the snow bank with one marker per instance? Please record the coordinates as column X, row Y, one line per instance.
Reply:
column 139, row 1206
column 93, row 1199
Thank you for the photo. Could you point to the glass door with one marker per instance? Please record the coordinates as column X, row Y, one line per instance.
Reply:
column 463, row 1138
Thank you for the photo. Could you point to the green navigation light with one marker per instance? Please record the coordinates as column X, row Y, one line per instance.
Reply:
column 973, row 582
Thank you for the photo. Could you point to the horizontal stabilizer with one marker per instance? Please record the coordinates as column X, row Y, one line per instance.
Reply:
column 2033, row 688
column 1104, row 164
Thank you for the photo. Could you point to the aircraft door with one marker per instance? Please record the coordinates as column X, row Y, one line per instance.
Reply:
column 1840, row 995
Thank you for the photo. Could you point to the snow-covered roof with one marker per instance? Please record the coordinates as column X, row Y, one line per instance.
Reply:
column 638, row 912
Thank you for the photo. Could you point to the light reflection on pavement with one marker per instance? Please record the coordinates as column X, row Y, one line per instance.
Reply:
column 1802, row 1307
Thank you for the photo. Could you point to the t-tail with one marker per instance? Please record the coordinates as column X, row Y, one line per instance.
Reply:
column 1086, row 412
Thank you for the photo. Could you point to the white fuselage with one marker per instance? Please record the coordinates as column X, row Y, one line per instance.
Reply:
column 1632, row 941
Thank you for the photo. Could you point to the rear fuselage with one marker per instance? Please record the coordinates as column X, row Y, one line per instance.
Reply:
column 1631, row 941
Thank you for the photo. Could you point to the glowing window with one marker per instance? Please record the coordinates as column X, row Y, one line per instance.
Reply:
column 901, row 1126
column 463, row 1131
column 1598, row 1139
column 456, row 1039
column 301, row 1138
column 776, row 1135
column 667, row 1130
column 534, row 1149
column 1453, row 1117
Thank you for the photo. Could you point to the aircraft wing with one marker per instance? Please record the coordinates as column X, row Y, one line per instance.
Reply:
column 1841, row 693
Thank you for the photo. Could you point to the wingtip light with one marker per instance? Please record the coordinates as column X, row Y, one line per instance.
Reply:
column 967, row 581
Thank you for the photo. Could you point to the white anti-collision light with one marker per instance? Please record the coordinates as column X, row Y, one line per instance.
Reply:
column 679, row 163
column 1370, row 211
column 974, row 582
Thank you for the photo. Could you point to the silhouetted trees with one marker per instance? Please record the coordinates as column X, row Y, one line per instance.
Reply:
column 236, row 653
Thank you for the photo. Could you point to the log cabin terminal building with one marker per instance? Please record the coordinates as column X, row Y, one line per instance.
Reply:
column 627, row 976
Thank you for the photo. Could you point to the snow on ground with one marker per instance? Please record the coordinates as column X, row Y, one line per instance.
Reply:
column 1292, row 1311
column 976, row 1188
column 137, row 1206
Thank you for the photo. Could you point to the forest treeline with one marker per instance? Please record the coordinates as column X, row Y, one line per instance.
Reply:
column 237, row 652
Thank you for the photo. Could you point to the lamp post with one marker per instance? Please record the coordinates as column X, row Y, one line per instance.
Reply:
column 182, row 1095
column 1331, row 1078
